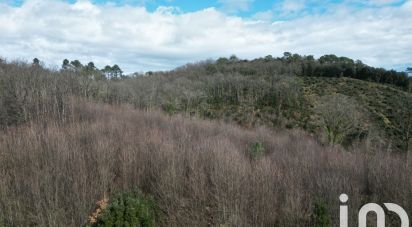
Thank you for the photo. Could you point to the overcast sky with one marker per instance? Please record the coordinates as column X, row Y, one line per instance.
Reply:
column 141, row 35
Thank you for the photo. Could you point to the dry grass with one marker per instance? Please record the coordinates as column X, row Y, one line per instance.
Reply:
column 199, row 172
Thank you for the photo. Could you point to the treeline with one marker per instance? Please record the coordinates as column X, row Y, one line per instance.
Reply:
column 325, row 66
column 111, row 72
column 29, row 91
column 108, row 72
column 333, row 66
column 32, row 92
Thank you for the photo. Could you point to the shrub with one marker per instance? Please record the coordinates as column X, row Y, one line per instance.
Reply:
column 320, row 216
column 129, row 209
column 169, row 108
column 256, row 149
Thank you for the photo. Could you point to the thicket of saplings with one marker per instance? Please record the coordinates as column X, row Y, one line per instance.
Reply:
column 61, row 151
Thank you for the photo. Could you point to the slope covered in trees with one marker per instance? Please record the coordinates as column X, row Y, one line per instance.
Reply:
column 275, row 92
column 78, row 135
column 197, row 172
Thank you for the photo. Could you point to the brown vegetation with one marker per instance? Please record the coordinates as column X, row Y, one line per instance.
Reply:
column 250, row 93
column 100, row 206
column 61, row 151
column 199, row 172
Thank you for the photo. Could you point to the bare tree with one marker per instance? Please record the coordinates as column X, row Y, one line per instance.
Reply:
column 340, row 117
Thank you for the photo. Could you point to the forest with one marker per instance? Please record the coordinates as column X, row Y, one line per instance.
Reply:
column 291, row 91
column 272, row 141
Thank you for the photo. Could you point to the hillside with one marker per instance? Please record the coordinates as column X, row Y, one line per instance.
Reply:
column 381, row 104
column 274, row 92
column 278, row 93
column 197, row 172
column 228, row 142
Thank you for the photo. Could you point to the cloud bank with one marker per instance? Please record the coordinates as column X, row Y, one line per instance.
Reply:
column 166, row 38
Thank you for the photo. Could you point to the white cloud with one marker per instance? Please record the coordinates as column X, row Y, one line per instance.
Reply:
column 140, row 40
column 263, row 16
column 293, row 5
column 383, row 2
column 236, row 5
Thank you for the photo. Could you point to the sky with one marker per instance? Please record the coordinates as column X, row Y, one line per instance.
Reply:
column 143, row 35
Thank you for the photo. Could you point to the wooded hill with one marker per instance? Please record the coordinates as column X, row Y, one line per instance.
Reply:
column 218, row 143
column 339, row 100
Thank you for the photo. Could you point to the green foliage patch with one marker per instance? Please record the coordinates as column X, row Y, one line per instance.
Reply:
column 320, row 215
column 256, row 149
column 130, row 209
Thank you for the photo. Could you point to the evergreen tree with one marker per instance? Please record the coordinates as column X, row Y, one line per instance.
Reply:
column 409, row 70
column 108, row 71
column 76, row 64
column 36, row 62
column 66, row 64
column 90, row 67
column 117, row 72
